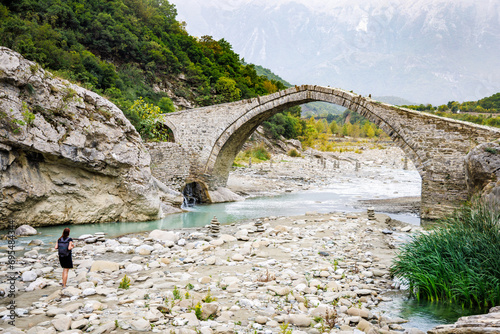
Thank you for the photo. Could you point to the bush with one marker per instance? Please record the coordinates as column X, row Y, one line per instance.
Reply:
column 458, row 261
column 293, row 153
column 124, row 283
column 261, row 153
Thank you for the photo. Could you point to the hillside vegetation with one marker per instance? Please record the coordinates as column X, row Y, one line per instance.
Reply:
column 134, row 52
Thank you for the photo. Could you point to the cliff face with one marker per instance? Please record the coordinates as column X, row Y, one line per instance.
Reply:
column 67, row 155
column 482, row 166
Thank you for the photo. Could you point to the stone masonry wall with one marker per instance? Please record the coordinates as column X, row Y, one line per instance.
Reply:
column 169, row 164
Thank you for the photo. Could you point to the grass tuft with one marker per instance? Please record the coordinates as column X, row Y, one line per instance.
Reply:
column 458, row 261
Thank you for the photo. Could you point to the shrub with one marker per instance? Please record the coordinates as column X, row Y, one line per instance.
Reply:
column 459, row 261
column 293, row 153
column 261, row 153
column 124, row 283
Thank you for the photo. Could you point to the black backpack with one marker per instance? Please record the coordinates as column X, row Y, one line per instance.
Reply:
column 62, row 247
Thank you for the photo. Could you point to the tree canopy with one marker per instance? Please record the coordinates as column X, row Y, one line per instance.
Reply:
column 128, row 49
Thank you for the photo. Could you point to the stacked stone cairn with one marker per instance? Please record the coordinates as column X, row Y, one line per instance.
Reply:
column 371, row 213
column 214, row 227
column 259, row 226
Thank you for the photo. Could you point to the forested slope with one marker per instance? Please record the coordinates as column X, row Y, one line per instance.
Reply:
column 127, row 49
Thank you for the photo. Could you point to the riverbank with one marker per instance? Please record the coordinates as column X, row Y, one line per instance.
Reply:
column 299, row 270
column 314, row 169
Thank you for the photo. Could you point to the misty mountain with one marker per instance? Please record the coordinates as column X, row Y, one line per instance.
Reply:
column 427, row 51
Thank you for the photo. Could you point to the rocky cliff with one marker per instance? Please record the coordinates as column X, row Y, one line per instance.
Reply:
column 67, row 155
column 482, row 166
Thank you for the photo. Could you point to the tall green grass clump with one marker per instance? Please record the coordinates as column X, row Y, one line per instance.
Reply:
column 458, row 261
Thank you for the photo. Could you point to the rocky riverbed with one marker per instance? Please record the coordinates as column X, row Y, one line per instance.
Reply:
column 306, row 274
column 315, row 169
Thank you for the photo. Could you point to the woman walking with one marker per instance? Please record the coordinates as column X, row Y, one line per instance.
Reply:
column 64, row 245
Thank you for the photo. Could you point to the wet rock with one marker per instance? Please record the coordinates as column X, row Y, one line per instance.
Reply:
column 25, row 230
column 35, row 242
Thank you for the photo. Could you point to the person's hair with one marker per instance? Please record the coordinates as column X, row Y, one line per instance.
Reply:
column 65, row 233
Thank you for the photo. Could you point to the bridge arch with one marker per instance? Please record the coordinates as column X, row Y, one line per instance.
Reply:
column 231, row 140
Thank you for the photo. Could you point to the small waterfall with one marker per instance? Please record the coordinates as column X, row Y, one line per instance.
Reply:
column 192, row 195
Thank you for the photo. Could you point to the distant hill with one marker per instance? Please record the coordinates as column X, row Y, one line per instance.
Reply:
column 394, row 100
column 270, row 75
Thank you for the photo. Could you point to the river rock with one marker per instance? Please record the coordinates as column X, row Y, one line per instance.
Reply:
column 133, row 267
column 163, row 236
column 79, row 150
column 61, row 323
column 40, row 283
column 79, row 324
column 24, row 230
column 144, row 249
column 29, row 276
column 35, row 242
column 359, row 312
column 209, row 309
column 140, row 325
column 104, row 265
column 237, row 257
column 300, row 320
column 71, row 291
column 482, row 166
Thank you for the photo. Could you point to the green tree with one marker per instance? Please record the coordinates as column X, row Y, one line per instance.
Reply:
column 149, row 121
column 227, row 89
column 334, row 128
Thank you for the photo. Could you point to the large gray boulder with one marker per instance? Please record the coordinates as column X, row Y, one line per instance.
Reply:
column 67, row 155
column 25, row 230
column 482, row 166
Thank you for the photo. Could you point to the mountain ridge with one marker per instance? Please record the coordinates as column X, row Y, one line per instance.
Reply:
column 423, row 51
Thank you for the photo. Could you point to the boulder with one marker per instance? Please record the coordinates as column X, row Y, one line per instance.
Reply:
column 25, row 230
column 482, row 166
column 79, row 150
column 483, row 323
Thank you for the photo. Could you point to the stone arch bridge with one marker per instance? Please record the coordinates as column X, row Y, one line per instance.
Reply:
column 208, row 139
